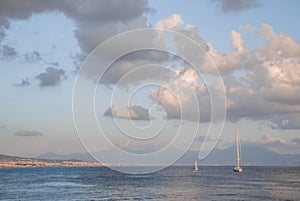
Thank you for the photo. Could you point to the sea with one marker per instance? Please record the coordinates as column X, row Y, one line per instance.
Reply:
column 173, row 183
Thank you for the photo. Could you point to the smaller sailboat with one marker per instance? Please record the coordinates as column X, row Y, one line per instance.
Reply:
column 196, row 167
column 238, row 168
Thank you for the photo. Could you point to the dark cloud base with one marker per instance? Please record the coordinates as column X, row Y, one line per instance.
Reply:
column 52, row 77
column 28, row 133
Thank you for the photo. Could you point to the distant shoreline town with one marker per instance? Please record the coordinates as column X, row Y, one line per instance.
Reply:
column 18, row 162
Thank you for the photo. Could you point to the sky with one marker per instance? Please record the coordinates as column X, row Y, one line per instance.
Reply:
column 214, row 65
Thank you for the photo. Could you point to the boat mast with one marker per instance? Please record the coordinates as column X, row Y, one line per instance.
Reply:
column 237, row 148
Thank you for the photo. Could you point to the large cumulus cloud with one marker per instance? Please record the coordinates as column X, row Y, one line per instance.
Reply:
column 261, row 83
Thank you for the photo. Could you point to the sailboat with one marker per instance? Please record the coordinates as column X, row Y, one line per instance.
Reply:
column 238, row 154
column 196, row 167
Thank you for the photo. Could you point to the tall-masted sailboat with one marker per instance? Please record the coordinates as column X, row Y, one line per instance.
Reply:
column 238, row 154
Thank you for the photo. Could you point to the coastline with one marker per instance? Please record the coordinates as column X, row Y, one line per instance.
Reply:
column 27, row 163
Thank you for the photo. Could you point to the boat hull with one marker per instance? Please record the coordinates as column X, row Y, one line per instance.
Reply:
column 237, row 169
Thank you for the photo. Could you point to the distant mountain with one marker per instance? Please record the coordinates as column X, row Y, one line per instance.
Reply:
column 6, row 157
column 74, row 157
column 18, row 158
column 252, row 154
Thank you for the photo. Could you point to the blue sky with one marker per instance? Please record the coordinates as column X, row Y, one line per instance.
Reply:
column 42, row 47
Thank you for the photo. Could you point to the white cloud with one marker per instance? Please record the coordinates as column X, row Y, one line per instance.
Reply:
column 261, row 83
column 174, row 95
column 269, row 88
column 273, row 141
column 184, row 97
column 240, row 58
column 278, row 45
column 172, row 22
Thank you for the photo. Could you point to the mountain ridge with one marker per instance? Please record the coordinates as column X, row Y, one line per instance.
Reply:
column 252, row 154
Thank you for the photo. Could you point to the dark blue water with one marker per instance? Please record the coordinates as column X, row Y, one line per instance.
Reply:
column 174, row 183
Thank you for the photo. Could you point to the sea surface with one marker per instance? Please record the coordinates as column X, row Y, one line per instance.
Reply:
column 173, row 183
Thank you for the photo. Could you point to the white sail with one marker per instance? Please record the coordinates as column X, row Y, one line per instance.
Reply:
column 196, row 167
column 238, row 154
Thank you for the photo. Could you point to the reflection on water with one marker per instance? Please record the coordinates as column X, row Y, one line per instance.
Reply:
column 174, row 183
